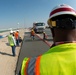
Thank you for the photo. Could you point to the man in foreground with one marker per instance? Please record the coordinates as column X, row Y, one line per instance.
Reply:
column 60, row 59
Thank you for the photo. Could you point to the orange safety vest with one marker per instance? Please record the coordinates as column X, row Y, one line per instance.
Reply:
column 32, row 32
column 16, row 35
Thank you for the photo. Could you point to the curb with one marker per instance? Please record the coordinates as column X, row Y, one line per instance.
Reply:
column 18, row 56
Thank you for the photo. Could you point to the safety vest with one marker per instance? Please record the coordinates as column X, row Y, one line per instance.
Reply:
column 11, row 41
column 59, row 60
column 32, row 33
column 16, row 35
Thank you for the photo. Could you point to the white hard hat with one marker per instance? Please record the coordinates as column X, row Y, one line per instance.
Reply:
column 61, row 10
column 11, row 31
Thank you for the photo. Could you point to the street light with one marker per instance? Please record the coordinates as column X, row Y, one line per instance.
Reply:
column 18, row 25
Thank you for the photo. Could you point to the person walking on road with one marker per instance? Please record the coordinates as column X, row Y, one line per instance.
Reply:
column 60, row 59
column 32, row 34
column 44, row 36
column 12, row 42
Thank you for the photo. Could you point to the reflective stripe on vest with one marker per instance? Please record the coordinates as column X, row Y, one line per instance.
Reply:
column 31, row 66
column 37, row 65
column 24, row 66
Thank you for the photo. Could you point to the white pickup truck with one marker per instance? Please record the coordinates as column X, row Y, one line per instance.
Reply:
column 39, row 27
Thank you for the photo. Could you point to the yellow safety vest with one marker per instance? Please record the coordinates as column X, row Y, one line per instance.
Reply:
column 11, row 41
column 59, row 60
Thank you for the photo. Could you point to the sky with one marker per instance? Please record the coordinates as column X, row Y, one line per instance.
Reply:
column 22, row 13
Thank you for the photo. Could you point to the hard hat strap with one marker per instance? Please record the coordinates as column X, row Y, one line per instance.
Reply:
column 66, row 23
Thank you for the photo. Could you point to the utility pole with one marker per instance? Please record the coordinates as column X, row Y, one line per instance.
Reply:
column 18, row 25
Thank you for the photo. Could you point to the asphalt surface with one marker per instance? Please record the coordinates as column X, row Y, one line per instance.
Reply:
column 31, row 48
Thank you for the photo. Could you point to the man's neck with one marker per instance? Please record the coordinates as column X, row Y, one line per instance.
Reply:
column 62, row 42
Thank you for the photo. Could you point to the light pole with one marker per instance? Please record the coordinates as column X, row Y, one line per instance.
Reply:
column 18, row 25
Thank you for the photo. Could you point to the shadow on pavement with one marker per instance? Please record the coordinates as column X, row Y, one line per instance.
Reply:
column 3, row 53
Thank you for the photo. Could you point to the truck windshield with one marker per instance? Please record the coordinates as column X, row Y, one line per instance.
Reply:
column 39, row 24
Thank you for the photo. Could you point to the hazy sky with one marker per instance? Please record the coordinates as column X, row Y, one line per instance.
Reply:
column 22, row 13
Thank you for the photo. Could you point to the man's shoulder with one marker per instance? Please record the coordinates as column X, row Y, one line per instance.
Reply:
column 9, row 35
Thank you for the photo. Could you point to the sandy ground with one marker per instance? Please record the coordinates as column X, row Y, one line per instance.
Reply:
column 8, row 62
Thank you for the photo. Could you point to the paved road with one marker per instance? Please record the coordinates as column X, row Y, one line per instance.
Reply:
column 30, row 49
